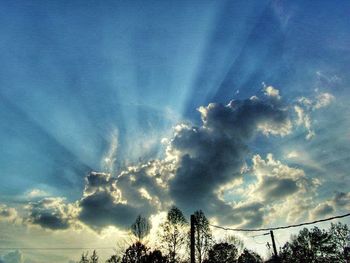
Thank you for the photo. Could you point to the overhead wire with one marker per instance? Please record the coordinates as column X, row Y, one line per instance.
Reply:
column 265, row 234
column 280, row 227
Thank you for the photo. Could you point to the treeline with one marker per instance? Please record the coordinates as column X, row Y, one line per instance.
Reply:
column 315, row 245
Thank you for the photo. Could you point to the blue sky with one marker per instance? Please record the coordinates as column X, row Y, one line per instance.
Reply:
column 95, row 86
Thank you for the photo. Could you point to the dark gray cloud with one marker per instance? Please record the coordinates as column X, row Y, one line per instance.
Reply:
column 95, row 181
column 248, row 214
column 276, row 181
column 285, row 192
column 213, row 154
column 117, row 201
column 339, row 202
column 51, row 213
column 278, row 188
column 243, row 119
column 100, row 209
column 342, row 199
column 322, row 210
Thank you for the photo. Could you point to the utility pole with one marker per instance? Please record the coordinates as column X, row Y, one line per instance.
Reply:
column 193, row 257
column 273, row 243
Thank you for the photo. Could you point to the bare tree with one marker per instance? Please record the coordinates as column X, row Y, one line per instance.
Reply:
column 236, row 241
column 140, row 228
column 203, row 236
column 84, row 258
column 94, row 257
column 173, row 236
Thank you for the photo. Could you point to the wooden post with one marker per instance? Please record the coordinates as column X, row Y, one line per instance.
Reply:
column 192, row 247
column 273, row 243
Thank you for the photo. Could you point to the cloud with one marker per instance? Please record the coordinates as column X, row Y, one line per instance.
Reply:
column 244, row 119
column 339, row 202
column 52, row 213
column 305, row 106
column 279, row 192
column 34, row 193
column 213, row 154
column 304, row 119
column 101, row 209
column 97, row 181
column 7, row 213
column 272, row 92
column 342, row 200
column 117, row 201
column 322, row 210
column 323, row 100
column 247, row 214
column 110, row 158
column 276, row 181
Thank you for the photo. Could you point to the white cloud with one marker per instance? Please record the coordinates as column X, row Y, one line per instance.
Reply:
column 7, row 213
column 304, row 119
column 323, row 100
column 272, row 92
column 36, row 193
column 110, row 158
column 305, row 107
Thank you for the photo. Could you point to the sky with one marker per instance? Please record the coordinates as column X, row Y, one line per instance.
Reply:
column 110, row 109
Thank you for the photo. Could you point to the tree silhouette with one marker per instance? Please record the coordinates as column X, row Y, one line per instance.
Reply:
column 139, row 253
column 223, row 253
column 140, row 228
column 173, row 235
column 94, row 257
column 203, row 236
column 84, row 258
column 136, row 253
column 249, row 257
column 309, row 246
column 114, row 259
column 340, row 237
column 236, row 241
column 156, row 257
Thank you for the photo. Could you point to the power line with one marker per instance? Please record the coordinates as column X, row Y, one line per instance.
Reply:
column 265, row 234
column 259, row 243
column 279, row 227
